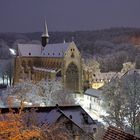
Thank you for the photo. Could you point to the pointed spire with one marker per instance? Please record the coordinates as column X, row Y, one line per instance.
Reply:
column 46, row 30
column 45, row 36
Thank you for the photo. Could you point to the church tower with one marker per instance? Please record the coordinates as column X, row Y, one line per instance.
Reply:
column 45, row 36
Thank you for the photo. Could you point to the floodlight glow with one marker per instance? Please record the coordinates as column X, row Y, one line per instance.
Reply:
column 12, row 51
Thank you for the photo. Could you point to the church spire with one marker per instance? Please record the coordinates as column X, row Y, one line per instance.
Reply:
column 45, row 36
column 46, row 30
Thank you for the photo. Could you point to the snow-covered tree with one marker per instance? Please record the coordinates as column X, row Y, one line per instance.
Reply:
column 43, row 93
column 127, row 66
column 91, row 65
column 122, row 102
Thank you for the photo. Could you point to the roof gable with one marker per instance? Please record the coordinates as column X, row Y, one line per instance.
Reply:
column 50, row 50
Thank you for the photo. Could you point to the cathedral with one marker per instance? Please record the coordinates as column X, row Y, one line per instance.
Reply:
column 50, row 62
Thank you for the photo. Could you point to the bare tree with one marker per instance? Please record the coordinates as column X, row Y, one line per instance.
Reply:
column 122, row 102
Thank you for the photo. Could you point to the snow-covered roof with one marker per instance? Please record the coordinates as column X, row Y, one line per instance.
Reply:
column 46, row 70
column 77, row 115
column 55, row 50
column 50, row 50
column 93, row 92
column 51, row 114
column 29, row 49
column 106, row 76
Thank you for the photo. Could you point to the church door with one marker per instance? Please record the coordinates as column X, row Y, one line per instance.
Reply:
column 72, row 77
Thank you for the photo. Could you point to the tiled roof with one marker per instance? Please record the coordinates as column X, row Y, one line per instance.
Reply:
column 114, row 133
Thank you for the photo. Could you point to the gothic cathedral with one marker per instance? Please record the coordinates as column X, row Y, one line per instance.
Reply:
column 50, row 62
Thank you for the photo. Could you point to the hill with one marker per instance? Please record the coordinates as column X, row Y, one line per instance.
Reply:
column 103, row 45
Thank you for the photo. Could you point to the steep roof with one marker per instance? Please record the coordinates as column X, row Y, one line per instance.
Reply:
column 114, row 133
column 50, row 50
column 51, row 113
column 55, row 50
column 29, row 49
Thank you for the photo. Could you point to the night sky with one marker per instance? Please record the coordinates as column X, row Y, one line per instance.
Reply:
column 67, row 15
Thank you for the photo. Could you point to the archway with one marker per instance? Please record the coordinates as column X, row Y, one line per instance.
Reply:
column 72, row 77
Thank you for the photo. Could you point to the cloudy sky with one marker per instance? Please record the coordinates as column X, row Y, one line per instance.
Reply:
column 67, row 15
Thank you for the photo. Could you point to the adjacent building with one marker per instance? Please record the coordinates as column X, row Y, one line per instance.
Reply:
column 74, row 118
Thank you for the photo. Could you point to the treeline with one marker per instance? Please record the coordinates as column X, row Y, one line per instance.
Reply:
column 110, row 47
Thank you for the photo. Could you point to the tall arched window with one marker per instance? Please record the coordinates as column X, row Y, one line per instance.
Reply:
column 72, row 77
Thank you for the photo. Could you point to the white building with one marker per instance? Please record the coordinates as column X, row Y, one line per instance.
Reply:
column 91, row 102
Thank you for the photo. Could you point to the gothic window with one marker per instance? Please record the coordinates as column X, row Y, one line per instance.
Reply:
column 72, row 55
column 72, row 77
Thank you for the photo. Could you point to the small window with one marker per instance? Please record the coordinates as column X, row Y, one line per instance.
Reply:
column 48, row 54
column 29, row 53
column 72, row 55
column 53, row 53
column 59, row 53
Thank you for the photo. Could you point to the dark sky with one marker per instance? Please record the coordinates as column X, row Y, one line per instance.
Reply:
column 61, row 15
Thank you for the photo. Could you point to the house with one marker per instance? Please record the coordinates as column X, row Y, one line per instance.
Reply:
column 91, row 102
column 114, row 133
column 100, row 79
column 77, row 121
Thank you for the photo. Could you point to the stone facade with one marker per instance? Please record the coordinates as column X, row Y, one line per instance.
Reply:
column 50, row 63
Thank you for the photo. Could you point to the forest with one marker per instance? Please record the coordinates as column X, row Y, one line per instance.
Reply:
column 109, row 47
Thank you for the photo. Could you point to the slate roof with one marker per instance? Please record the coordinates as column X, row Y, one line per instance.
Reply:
column 55, row 50
column 50, row 50
column 52, row 113
column 93, row 92
column 29, row 49
column 114, row 133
